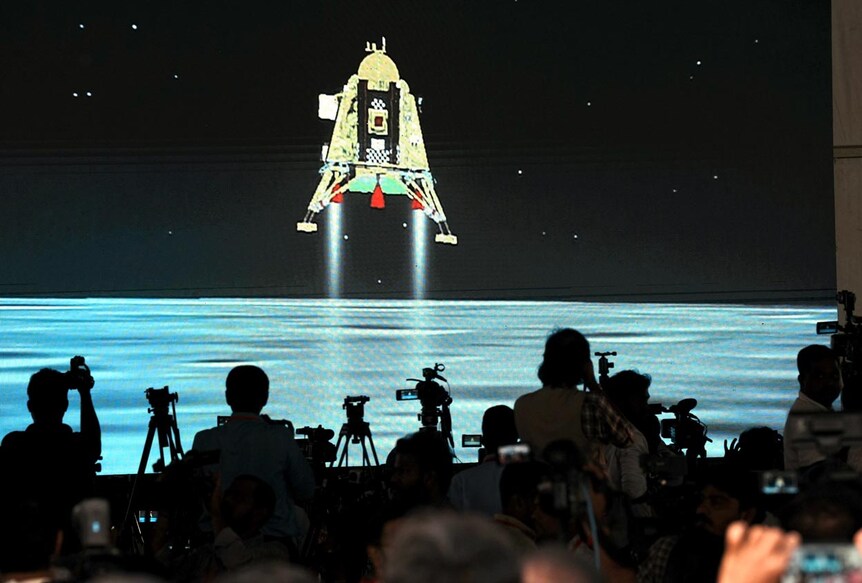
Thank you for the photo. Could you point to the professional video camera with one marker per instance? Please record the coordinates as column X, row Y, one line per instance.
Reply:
column 685, row 430
column 846, row 341
column 316, row 444
column 435, row 401
column 78, row 376
column 355, row 407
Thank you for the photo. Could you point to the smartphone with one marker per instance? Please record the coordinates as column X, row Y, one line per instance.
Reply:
column 772, row 483
column 513, row 454
column 471, row 440
column 823, row 562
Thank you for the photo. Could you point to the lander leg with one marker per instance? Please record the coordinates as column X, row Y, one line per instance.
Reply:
column 328, row 189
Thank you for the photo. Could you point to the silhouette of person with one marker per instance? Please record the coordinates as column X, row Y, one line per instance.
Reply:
column 249, row 444
column 53, row 464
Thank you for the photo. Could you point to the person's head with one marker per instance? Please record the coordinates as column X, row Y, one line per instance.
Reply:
column 48, row 396
column 247, row 389
column 567, row 351
column 519, row 489
column 828, row 512
column 759, row 449
column 247, row 504
column 421, row 468
column 819, row 374
column 628, row 391
column 498, row 428
column 553, row 564
column 728, row 493
column 30, row 537
column 450, row 547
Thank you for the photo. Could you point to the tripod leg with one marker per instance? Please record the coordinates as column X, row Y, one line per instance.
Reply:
column 337, row 445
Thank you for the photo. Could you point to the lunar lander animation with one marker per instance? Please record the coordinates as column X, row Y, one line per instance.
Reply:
column 377, row 146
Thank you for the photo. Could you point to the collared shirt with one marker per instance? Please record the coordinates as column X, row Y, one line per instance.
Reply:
column 798, row 456
column 250, row 445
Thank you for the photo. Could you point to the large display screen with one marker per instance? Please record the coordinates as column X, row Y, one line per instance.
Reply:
column 346, row 193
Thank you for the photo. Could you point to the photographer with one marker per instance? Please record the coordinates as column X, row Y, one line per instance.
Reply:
column 560, row 411
column 51, row 463
column 249, row 444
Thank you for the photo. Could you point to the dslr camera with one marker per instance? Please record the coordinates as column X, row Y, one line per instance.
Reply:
column 78, row 376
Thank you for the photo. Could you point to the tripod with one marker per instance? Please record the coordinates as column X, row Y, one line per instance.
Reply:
column 356, row 430
column 163, row 423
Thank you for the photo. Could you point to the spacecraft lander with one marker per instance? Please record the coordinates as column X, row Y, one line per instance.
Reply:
column 376, row 146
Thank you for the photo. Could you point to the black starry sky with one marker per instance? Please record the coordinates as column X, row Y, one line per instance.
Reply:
column 592, row 149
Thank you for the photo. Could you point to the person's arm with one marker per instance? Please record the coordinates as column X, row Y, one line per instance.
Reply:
column 91, row 431
column 602, row 423
column 633, row 480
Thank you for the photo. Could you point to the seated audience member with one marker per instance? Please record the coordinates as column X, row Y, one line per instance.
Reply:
column 381, row 532
column 268, row 571
column 628, row 391
column 820, row 385
column 519, row 491
column 249, row 445
column 238, row 515
column 51, row 463
column 825, row 512
column 758, row 449
column 727, row 494
column 445, row 546
column 30, row 539
column 421, row 470
column 560, row 411
column 556, row 565
column 478, row 489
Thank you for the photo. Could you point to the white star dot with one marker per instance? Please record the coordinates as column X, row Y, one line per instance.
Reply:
column 75, row 94
column 346, row 237
column 520, row 172
column 176, row 76
column 170, row 232
column 404, row 225
column 715, row 176
column 674, row 189
column 379, row 281
column 134, row 27
column 81, row 26
column 756, row 41
column 89, row 94
column 543, row 233
column 698, row 63
column 691, row 76
column 589, row 104
column 575, row 236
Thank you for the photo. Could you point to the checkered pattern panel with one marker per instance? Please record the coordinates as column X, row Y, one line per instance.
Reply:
column 377, row 156
column 378, row 103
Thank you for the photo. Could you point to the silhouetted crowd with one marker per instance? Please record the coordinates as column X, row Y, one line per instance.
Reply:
column 578, row 481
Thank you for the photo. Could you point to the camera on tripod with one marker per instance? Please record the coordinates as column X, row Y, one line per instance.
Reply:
column 434, row 399
column 316, row 444
column 846, row 342
column 78, row 376
column 160, row 399
column 685, row 430
column 355, row 407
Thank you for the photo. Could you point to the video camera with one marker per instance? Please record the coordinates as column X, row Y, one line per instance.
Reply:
column 435, row 400
column 685, row 430
column 355, row 407
column 160, row 399
column 78, row 376
column 316, row 444
column 846, row 342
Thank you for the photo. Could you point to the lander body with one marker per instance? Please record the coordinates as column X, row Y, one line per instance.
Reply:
column 377, row 146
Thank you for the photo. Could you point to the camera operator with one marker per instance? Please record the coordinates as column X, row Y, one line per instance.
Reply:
column 820, row 384
column 249, row 444
column 51, row 463
column 560, row 411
